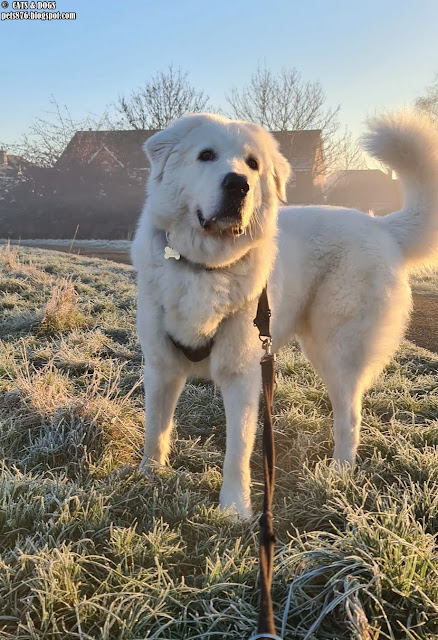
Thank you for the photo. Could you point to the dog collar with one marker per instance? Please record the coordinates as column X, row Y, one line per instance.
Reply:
column 198, row 266
column 171, row 253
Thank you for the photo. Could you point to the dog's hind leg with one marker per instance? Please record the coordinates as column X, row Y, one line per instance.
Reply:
column 350, row 350
column 346, row 399
column 344, row 379
column 241, row 401
column 162, row 390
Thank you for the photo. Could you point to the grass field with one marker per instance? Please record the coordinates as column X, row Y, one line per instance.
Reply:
column 91, row 549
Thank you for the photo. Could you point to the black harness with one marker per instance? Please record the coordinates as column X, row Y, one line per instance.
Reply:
column 261, row 321
column 196, row 354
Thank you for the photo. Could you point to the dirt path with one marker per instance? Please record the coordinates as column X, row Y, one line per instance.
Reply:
column 116, row 255
column 423, row 328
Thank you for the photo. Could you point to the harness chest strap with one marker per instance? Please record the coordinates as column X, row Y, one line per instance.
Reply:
column 261, row 321
column 194, row 355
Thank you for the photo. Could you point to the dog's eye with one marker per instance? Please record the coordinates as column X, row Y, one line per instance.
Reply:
column 207, row 155
column 252, row 163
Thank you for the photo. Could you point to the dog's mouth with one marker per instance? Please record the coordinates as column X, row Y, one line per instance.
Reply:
column 222, row 225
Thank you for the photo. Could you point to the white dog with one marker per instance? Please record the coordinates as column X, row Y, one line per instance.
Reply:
column 209, row 240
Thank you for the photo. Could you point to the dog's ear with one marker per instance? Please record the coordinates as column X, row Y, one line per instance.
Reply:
column 282, row 173
column 159, row 146
column 158, row 149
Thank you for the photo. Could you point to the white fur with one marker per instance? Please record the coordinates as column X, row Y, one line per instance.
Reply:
column 338, row 278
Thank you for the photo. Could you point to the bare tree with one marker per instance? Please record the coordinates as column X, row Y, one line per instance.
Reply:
column 285, row 102
column 168, row 95
column 429, row 102
column 49, row 135
column 282, row 102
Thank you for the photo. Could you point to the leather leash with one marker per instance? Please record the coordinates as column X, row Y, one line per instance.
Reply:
column 266, row 623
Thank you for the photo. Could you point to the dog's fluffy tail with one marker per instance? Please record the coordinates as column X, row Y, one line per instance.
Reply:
column 408, row 143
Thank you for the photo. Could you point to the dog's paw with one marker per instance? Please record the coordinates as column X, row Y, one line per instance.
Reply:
column 237, row 504
column 342, row 465
column 344, row 454
column 148, row 466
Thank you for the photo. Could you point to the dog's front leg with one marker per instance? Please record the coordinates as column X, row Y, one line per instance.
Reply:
column 241, row 401
column 162, row 390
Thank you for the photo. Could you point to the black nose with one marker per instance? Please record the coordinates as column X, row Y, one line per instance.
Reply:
column 236, row 184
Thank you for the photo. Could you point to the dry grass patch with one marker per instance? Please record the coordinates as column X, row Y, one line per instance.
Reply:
column 16, row 265
column 62, row 312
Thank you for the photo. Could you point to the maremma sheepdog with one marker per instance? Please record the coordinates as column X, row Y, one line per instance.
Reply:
column 211, row 236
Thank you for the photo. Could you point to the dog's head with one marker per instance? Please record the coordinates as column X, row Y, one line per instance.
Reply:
column 214, row 180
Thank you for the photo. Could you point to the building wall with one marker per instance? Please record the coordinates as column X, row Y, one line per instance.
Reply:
column 304, row 189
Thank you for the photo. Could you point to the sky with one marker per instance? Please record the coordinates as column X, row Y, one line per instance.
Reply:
column 368, row 55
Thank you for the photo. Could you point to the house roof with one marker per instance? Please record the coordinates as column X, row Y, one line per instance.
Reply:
column 301, row 148
column 124, row 146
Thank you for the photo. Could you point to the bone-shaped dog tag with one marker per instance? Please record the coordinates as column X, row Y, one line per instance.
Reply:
column 171, row 253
